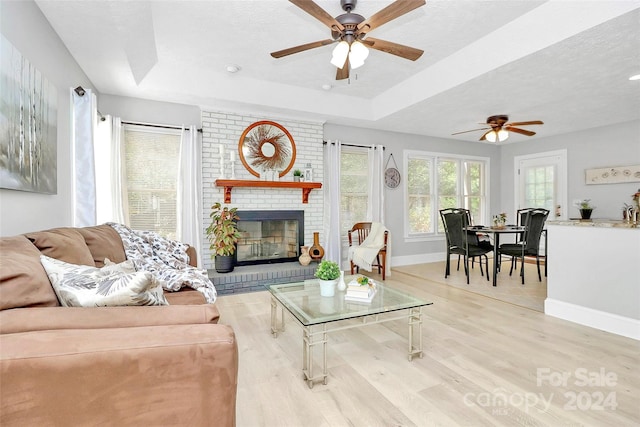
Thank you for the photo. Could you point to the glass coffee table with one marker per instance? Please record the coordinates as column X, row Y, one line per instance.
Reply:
column 318, row 315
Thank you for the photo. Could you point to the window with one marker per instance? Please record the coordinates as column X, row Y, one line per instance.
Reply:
column 152, row 162
column 439, row 181
column 354, row 187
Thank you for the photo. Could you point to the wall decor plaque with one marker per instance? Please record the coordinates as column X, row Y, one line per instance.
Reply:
column 613, row 175
column 266, row 147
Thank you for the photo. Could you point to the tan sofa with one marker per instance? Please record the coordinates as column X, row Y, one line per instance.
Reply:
column 145, row 366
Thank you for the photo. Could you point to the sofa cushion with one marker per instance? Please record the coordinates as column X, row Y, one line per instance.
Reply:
column 23, row 281
column 55, row 318
column 66, row 244
column 103, row 242
column 112, row 285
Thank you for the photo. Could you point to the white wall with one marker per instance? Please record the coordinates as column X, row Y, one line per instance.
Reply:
column 24, row 26
column 615, row 145
column 145, row 111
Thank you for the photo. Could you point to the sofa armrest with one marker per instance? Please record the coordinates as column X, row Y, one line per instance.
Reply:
column 158, row 375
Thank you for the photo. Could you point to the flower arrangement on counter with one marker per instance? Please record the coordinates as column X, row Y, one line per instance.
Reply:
column 636, row 198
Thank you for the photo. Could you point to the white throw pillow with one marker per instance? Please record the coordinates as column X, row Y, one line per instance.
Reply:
column 111, row 285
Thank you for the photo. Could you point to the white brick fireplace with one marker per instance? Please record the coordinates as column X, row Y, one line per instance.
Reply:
column 225, row 128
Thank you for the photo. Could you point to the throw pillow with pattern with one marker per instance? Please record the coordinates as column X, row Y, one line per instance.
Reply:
column 111, row 285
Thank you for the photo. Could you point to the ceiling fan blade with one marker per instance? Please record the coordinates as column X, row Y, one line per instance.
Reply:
column 467, row 131
column 484, row 136
column 534, row 122
column 319, row 13
column 343, row 73
column 400, row 50
column 522, row 131
column 301, row 48
column 393, row 11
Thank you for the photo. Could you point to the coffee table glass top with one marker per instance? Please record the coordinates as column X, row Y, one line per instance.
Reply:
column 304, row 301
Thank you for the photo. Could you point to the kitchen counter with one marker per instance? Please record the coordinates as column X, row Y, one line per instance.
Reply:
column 602, row 223
column 593, row 274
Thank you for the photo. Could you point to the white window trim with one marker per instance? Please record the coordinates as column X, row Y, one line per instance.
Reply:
column 435, row 156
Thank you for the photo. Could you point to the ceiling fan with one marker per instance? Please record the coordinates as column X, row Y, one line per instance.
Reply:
column 499, row 129
column 350, row 30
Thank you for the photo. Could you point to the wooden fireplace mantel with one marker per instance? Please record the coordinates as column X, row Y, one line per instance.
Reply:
column 228, row 185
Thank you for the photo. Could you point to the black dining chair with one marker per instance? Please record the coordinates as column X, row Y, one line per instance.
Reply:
column 460, row 242
column 530, row 244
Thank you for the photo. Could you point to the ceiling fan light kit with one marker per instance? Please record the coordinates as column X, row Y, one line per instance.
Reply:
column 350, row 30
column 499, row 129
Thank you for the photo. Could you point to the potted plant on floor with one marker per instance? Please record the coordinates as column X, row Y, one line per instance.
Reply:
column 223, row 235
column 327, row 273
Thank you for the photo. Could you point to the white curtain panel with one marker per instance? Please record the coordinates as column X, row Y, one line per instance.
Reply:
column 189, row 210
column 375, row 207
column 118, row 174
column 331, row 190
column 84, row 186
column 111, row 177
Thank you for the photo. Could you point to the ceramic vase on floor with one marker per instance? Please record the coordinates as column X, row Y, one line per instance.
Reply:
column 316, row 252
column 304, row 258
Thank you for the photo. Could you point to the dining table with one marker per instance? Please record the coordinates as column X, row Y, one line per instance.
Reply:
column 496, row 232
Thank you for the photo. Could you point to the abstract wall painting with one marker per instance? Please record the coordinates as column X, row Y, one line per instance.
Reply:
column 28, row 125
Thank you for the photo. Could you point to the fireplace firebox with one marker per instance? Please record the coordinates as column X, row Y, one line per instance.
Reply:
column 269, row 236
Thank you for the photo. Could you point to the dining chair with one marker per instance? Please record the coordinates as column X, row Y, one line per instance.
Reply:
column 530, row 244
column 460, row 242
column 361, row 230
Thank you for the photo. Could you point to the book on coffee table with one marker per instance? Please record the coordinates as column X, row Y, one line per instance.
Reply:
column 359, row 292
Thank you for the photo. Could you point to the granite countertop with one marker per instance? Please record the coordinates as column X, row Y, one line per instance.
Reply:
column 602, row 223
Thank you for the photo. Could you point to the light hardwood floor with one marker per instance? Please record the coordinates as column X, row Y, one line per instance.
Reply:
column 479, row 353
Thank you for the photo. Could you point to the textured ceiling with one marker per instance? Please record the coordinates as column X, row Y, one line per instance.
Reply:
column 566, row 62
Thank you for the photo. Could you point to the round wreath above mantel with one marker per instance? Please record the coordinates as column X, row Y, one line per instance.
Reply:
column 267, row 146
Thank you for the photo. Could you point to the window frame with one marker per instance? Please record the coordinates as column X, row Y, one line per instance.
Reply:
column 435, row 158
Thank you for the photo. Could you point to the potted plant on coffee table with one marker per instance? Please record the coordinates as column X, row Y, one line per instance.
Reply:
column 327, row 273
column 223, row 235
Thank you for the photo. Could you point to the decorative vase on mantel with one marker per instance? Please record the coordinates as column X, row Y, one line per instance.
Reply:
column 304, row 258
column 316, row 252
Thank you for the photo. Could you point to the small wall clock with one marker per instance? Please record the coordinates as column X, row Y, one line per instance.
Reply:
column 392, row 176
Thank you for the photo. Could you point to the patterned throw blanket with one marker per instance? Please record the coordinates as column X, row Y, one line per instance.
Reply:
column 166, row 259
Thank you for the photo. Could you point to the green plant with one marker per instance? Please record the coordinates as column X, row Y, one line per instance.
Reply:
column 297, row 172
column 223, row 231
column 584, row 204
column 327, row 270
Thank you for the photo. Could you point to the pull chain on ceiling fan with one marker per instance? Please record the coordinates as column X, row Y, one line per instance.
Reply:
column 350, row 30
column 499, row 129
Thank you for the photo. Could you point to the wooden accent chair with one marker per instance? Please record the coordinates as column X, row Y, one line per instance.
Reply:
column 361, row 230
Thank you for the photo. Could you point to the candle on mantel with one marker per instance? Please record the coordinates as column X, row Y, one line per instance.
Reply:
column 232, row 156
column 221, row 151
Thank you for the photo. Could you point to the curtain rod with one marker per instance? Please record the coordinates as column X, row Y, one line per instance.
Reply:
column 354, row 145
column 155, row 125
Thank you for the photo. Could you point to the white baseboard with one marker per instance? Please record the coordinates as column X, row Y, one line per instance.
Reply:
column 417, row 259
column 602, row 320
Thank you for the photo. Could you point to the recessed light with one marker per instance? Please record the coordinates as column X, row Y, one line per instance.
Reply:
column 326, row 86
column 636, row 77
column 233, row 68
